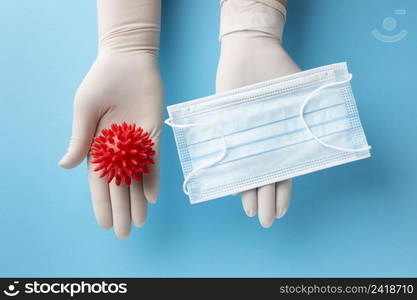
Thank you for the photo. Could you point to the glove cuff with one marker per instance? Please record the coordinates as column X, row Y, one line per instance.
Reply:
column 267, row 16
column 132, row 38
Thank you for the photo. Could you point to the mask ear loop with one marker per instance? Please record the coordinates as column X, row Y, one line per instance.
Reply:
column 210, row 163
column 308, row 99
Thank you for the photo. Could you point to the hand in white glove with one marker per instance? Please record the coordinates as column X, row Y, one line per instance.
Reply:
column 251, row 52
column 123, row 85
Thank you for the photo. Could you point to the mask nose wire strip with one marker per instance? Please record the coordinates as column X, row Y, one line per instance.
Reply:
column 308, row 99
column 208, row 164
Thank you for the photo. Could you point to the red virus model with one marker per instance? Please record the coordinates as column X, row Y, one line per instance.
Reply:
column 122, row 152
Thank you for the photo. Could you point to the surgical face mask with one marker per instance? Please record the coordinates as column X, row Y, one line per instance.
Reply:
column 267, row 132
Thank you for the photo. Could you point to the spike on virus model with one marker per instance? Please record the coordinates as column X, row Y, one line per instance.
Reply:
column 122, row 152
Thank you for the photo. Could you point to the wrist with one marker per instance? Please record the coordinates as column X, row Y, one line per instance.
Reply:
column 129, row 26
column 143, row 38
column 265, row 17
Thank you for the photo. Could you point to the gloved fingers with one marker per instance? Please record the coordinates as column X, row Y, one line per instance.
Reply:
column 83, row 128
column 151, row 180
column 266, row 205
column 100, row 196
column 250, row 202
column 138, row 203
column 283, row 197
column 120, row 204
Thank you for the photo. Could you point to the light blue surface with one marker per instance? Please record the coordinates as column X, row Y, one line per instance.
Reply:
column 354, row 220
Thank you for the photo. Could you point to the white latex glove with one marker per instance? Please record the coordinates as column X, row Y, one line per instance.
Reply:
column 251, row 52
column 123, row 85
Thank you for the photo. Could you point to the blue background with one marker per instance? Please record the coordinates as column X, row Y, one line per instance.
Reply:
column 354, row 220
